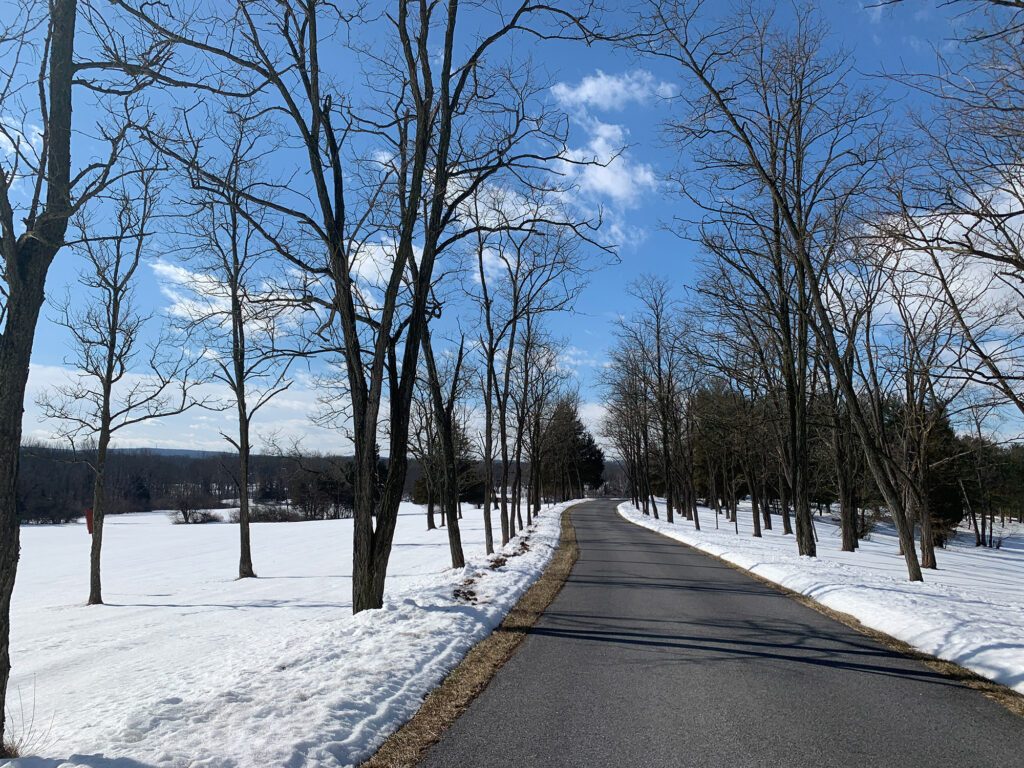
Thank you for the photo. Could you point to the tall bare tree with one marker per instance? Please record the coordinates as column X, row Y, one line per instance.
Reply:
column 232, row 305
column 445, row 384
column 522, row 273
column 27, row 255
column 108, row 391
column 960, row 205
column 651, row 333
column 41, row 188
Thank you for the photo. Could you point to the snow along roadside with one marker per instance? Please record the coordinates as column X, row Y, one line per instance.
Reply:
column 943, row 620
column 385, row 662
column 332, row 691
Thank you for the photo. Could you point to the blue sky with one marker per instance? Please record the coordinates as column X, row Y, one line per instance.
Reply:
column 612, row 100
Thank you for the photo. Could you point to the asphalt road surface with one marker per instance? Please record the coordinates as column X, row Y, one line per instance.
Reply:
column 656, row 655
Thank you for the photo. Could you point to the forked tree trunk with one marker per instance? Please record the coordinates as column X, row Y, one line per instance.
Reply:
column 766, row 504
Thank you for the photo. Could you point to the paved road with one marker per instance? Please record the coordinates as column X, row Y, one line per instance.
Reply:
column 656, row 655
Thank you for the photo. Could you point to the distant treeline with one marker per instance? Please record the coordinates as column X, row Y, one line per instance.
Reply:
column 55, row 488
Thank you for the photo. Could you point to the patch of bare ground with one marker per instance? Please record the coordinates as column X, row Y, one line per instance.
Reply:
column 442, row 707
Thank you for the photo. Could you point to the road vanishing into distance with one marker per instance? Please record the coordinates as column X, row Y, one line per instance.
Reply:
column 656, row 655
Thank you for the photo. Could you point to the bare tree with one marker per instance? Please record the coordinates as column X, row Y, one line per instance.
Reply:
column 27, row 256
column 908, row 356
column 425, row 449
column 539, row 379
column 651, row 333
column 547, row 380
column 739, row 339
column 40, row 190
column 521, row 274
column 243, row 317
column 435, row 130
column 445, row 386
column 629, row 421
column 106, row 394
column 831, row 138
column 960, row 205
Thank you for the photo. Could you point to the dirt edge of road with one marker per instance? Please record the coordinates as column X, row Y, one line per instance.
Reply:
column 1001, row 694
column 442, row 707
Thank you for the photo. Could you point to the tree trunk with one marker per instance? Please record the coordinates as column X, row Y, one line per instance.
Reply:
column 452, row 515
column 238, row 358
column 927, row 538
column 925, row 513
column 787, row 527
column 805, row 540
column 245, row 569
column 847, row 513
column 766, row 505
column 446, row 432
column 666, row 468
column 488, row 455
column 756, row 511
column 99, row 488
column 364, row 594
column 26, row 270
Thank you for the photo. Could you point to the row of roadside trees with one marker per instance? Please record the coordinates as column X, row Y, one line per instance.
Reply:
column 858, row 301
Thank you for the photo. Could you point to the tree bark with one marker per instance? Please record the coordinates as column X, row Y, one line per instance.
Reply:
column 245, row 569
column 26, row 269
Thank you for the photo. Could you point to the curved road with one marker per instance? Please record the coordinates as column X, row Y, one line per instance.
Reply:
column 656, row 655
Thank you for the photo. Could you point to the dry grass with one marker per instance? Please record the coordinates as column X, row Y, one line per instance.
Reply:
column 1001, row 694
column 441, row 708
column 24, row 735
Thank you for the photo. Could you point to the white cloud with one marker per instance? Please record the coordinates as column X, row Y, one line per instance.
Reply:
column 288, row 417
column 607, row 177
column 575, row 357
column 612, row 92
column 15, row 134
column 373, row 263
column 612, row 173
column 593, row 416
column 191, row 294
column 497, row 265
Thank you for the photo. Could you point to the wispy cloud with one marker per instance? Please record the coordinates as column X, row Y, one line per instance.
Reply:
column 288, row 417
column 575, row 357
column 602, row 91
column 873, row 11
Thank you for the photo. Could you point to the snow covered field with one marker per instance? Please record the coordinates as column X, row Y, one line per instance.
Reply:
column 186, row 666
column 971, row 611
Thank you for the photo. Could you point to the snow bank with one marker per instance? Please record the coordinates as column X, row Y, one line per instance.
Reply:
column 187, row 667
column 971, row 611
